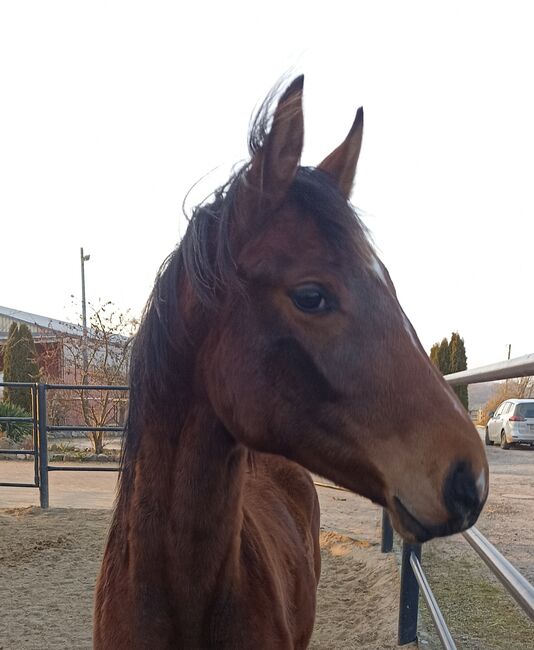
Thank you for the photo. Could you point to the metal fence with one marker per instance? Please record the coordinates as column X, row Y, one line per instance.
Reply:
column 413, row 578
column 34, row 451
column 41, row 428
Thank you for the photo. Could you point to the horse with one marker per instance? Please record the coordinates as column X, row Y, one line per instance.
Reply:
column 273, row 345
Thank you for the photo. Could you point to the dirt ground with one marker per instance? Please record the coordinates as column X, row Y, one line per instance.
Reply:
column 49, row 560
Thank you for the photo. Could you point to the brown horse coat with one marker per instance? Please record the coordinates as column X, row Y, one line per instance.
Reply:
column 273, row 342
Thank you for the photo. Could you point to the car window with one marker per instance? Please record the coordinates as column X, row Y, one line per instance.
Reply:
column 498, row 411
column 507, row 408
column 525, row 410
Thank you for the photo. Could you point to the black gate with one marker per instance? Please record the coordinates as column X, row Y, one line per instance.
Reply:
column 40, row 430
column 34, row 451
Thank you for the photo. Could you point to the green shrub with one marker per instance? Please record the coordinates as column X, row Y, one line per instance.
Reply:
column 20, row 365
column 15, row 431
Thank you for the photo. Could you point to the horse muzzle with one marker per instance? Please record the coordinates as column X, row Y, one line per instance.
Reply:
column 464, row 497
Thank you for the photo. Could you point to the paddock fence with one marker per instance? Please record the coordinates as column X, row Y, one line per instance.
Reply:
column 413, row 579
column 32, row 422
column 41, row 428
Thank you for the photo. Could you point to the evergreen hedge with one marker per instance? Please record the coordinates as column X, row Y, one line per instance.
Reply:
column 20, row 364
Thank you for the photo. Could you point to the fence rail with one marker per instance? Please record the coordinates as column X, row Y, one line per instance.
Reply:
column 34, row 451
column 433, row 607
column 40, row 430
column 516, row 584
column 82, row 428
column 412, row 574
column 413, row 578
column 511, row 369
column 44, row 428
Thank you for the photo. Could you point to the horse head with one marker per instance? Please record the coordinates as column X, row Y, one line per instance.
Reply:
column 306, row 351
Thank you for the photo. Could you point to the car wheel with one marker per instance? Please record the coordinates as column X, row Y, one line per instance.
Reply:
column 487, row 439
column 504, row 444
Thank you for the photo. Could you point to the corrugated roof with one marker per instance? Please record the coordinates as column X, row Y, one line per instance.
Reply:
column 53, row 324
column 42, row 321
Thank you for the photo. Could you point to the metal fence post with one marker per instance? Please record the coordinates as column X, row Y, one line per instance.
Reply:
column 35, row 435
column 387, row 533
column 43, row 446
column 409, row 596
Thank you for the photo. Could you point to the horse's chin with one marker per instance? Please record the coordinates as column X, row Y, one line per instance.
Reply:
column 408, row 526
column 414, row 531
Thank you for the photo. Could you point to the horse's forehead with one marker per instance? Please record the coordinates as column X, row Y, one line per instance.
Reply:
column 295, row 234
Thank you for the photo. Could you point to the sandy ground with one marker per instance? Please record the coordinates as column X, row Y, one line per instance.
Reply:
column 358, row 596
column 66, row 489
column 49, row 560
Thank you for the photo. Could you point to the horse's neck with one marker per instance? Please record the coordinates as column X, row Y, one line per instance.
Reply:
column 208, row 480
column 187, row 511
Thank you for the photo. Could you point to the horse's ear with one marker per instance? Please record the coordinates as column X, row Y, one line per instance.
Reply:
column 276, row 159
column 341, row 163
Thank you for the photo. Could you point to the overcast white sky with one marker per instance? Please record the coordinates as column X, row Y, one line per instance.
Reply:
column 111, row 111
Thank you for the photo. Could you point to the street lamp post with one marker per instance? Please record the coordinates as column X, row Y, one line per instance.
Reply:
column 84, row 258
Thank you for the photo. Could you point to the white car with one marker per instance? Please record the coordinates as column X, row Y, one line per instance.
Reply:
column 512, row 423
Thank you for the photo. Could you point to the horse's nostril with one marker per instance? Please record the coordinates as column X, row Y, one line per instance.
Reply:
column 460, row 491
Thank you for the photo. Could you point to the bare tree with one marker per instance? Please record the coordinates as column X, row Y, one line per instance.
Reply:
column 100, row 359
column 510, row 389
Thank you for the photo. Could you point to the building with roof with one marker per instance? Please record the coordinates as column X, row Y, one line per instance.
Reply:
column 48, row 334
column 58, row 343
column 59, row 355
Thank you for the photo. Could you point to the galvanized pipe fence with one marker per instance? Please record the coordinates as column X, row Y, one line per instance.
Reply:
column 41, row 428
column 35, row 434
column 413, row 579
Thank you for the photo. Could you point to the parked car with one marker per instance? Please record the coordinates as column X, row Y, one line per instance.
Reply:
column 512, row 423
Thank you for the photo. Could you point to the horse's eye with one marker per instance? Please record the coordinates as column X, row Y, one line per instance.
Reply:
column 310, row 299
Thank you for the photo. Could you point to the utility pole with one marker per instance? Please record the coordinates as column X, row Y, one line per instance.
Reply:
column 84, row 258
column 509, row 346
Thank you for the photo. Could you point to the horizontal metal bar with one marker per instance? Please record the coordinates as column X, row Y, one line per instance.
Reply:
column 83, row 387
column 516, row 584
column 26, row 485
column 82, row 428
column 518, row 367
column 332, row 487
column 443, row 631
column 14, row 419
column 55, row 468
column 29, row 452
column 17, row 384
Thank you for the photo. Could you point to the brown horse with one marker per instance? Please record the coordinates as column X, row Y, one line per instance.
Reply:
column 273, row 341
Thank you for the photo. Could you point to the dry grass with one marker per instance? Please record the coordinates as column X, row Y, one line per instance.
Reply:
column 479, row 612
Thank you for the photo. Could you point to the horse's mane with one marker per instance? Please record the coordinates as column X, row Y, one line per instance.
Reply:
column 204, row 265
